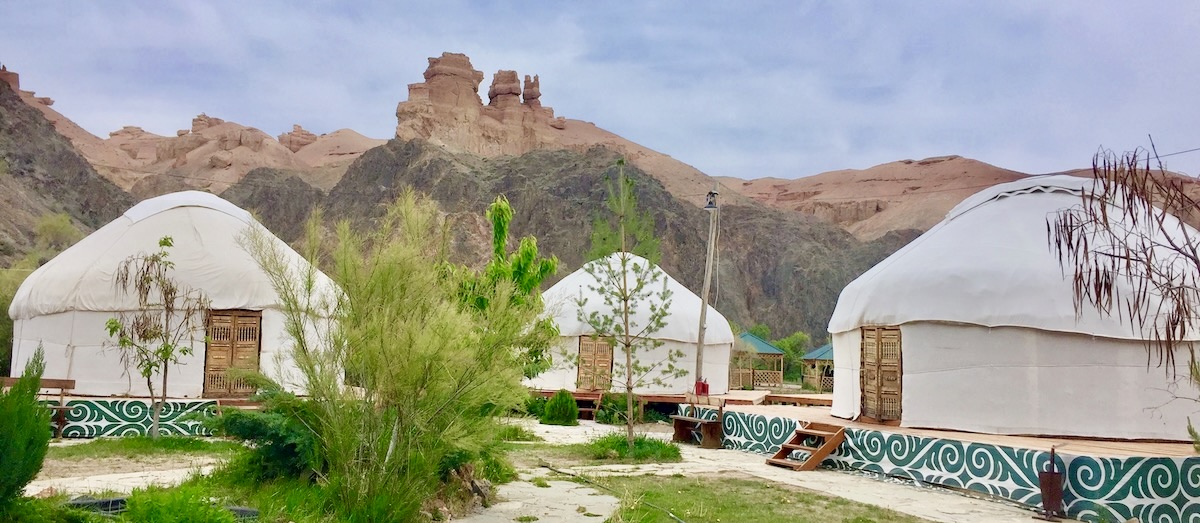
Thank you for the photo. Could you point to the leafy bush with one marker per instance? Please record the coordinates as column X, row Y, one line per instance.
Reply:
column 180, row 504
column 615, row 446
column 24, row 432
column 284, row 443
column 535, row 405
column 612, row 409
column 561, row 409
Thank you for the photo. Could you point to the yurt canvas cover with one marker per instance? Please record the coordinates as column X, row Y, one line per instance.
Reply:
column 972, row 327
column 582, row 363
column 63, row 305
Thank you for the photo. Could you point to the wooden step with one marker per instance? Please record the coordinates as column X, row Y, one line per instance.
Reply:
column 785, row 463
column 816, row 432
column 794, row 446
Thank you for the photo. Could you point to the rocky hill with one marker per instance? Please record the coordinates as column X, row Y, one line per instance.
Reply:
column 41, row 173
column 787, row 247
column 905, row 195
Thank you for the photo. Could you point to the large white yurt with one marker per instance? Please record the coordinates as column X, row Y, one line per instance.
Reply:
column 972, row 327
column 584, row 363
column 64, row 305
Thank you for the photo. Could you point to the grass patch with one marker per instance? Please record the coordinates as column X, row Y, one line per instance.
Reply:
column 540, row 483
column 141, row 446
column 645, row 449
column 516, row 433
column 736, row 499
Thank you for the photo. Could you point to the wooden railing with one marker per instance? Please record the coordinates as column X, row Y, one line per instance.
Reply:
column 768, row 378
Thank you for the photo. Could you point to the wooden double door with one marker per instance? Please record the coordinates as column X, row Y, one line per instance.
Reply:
column 880, row 376
column 595, row 363
column 234, row 342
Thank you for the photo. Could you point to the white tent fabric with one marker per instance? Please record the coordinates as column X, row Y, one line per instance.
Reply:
column 990, row 340
column 680, row 332
column 63, row 304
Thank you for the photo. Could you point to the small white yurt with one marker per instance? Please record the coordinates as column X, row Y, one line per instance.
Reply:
column 64, row 305
column 972, row 327
column 584, row 363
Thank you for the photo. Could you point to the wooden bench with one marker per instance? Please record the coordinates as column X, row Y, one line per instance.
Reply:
column 59, row 411
column 710, row 430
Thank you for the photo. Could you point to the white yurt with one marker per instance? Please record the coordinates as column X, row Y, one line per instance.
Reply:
column 972, row 327
column 584, row 363
column 64, row 305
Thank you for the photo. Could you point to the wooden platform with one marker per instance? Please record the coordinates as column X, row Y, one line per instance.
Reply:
column 733, row 397
column 1070, row 445
column 800, row 400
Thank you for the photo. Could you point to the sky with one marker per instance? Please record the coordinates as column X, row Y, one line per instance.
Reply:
column 745, row 89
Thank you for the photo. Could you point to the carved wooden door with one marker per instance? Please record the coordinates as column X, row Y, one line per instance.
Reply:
column 234, row 341
column 595, row 363
column 881, row 373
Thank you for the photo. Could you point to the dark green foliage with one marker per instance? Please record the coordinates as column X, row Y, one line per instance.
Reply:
column 535, row 405
column 615, row 446
column 186, row 504
column 24, row 432
column 612, row 409
column 50, row 510
column 561, row 410
column 624, row 217
column 284, row 444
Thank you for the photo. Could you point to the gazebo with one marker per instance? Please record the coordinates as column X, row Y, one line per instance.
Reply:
column 818, row 367
column 766, row 365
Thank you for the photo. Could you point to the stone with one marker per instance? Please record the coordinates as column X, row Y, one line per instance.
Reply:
column 505, row 90
column 297, row 138
column 532, row 91
column 220, row 160
column 204, row 121
column 446, row 110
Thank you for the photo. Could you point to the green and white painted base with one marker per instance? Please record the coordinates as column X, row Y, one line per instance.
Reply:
column 1152, row 489
column 91, row 418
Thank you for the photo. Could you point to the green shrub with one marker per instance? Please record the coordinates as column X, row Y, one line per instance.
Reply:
column 561, row 409
column 535, row 405
column 614, row 446
column 179, row 504
column 284, row 443
column 24, row 432
column 48, row 510
column 612, row 409
column 516, row 433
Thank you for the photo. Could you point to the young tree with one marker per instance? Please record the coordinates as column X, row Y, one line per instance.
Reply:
column 625, row 229
column 168, row 321
column 1129, row 251
column 637, row 303
column 526, row 270
column 431, row 370
column 24, row 433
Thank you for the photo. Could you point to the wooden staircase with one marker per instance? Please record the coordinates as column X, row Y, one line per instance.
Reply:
column 816, row 440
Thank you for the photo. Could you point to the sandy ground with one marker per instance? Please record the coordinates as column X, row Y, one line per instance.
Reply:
column 566, row 501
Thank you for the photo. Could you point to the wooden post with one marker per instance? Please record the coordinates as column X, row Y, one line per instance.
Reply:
column 711, row 207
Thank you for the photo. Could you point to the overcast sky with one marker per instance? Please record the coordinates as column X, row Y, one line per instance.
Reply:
column 747, row 89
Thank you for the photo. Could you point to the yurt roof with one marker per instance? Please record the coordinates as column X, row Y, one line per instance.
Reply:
column 681, row 324
column 988, row 263
column 207, row 256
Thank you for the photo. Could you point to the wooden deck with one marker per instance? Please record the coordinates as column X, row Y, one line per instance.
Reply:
column 1066, row 445
column 733, row 397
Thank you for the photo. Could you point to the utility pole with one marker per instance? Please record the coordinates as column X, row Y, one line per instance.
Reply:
column 711, row 207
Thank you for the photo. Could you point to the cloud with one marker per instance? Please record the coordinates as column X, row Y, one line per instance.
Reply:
column 780, row 89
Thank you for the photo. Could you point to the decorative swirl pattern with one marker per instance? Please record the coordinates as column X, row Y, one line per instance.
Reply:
column 1155, row 490
column 127, row 417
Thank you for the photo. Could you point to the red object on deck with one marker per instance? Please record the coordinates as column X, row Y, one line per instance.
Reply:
column 701, row 387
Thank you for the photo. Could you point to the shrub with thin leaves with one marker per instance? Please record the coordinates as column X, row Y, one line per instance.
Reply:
column 175, row 505
column 561, row 409
column 24, row 432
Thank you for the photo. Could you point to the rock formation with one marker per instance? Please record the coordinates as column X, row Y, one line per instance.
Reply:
column 297, row 139
column 11, row 78
column 446, row 109
column 532, row 91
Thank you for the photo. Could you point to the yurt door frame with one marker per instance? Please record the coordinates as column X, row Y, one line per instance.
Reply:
column 595, row 363
column 234, row 342
column 880, row 377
